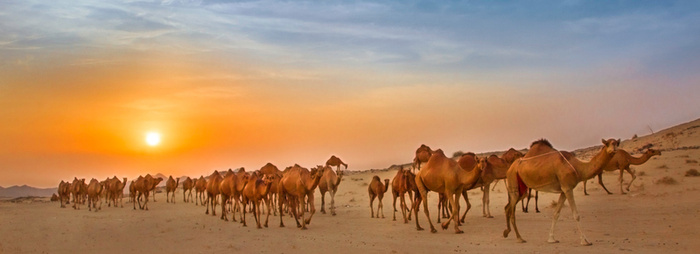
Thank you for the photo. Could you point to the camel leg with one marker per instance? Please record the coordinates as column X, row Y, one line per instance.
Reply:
column 269, row 207
column 525, row 205
column 634, row 176
column 371, row 206
column 414, row 207
column 424, row 195
column 413, row 201
column 600, row 181
column 513, row 199
column 244, row 211
column 312, row 208
column 224, row 213
column 485, row 201
column 332, row 193
column 280, row 203
column 402, row 204
column 323, row 203
column 574, row 210
column 453, row 199
column 555, row 218
column 256, row 213
column 537, row 198
column 303, row 212
column 381, row 206
column 469, row 206
column 394, row 195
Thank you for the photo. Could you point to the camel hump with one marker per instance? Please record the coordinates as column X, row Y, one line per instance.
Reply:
column 543, row 141
column 376, row 177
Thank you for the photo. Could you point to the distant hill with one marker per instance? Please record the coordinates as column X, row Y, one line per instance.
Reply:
column 24, row 190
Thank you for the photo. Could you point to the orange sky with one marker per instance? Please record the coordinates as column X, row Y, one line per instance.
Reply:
column 233, row 86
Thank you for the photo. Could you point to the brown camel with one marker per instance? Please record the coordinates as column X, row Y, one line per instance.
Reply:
column 200, row 186
column 622, row 161
column 187, row 186
column 114, row 190
column 94, row 191
column 64, row 191
column 376, row 190
column 132, row 191
column 143, row 187
column 230, row 188
column 543, row 168
column 171, row 186
column 271, row 170
column 336, row 162
column 423, row 153
column 444, row 176
column 298, row 184
column 256, row 190
column 54, row 197
column 329, row 183
column 155, row 184
column 508, row 157
column 404, row 182
column 79, row 190
column 213, row 191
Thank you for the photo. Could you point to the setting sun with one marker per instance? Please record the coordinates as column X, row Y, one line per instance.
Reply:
column 152, row 138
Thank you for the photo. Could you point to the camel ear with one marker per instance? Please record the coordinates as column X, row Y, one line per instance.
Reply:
column 604, row 143
column 618, row 141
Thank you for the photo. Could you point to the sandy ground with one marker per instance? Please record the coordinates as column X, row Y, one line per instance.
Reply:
column 653, row 218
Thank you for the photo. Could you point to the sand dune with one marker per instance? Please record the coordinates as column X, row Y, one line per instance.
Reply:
column 656, row 216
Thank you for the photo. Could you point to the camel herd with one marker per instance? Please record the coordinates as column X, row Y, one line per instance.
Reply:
column 291, row 190
column 541, row 168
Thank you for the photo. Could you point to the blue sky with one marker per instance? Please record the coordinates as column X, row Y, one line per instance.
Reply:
column 458, row 75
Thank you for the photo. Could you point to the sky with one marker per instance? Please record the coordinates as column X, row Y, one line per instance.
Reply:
column 233, row 84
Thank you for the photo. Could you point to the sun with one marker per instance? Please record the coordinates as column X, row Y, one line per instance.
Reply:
column 153, row 138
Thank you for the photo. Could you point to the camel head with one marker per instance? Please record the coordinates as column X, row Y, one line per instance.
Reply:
column 653, row 152
column 611, row 145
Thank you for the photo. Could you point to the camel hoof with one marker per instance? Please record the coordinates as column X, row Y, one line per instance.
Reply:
column 419, row 229
column 552, row 241
column 521, row 241
column 488, row 217
column 586, row 243
column 505, row 233
column 303, row 228
column 459, row 232
column 281, row 225
column 307, row 222
column 432, row 230
column 333, row 214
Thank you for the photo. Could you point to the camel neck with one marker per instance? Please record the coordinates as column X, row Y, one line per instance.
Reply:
column 639, row 160
column 587, row 170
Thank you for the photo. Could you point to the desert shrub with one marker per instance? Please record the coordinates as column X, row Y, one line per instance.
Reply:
column 667, row 180
column 663, row 166
column 692, row 172
column 641, row 173
column 691, row 161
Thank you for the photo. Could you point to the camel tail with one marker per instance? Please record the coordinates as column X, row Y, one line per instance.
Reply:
column 522, row 188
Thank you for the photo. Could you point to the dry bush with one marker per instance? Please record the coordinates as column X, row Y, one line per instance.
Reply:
column 667, row 180
column 691, row 161
column 692, row 172
column 663, row 167
column 641, row 173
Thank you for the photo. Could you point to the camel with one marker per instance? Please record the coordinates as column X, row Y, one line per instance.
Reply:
column 78, row 189
column 543, row 168
column 200, row 186
column 94, row 191
column 270, row 169
column 213, row 191
column 256, row 190
column 298, row 184
column 336, row 162
column 404, row 182
column 155, row 184
column 423, row 153
column 143, row 187
column 171, row 186
column 444, row 176
column 329, row 183
column 376, row 190
column 64, row 191
column 187, row 185
column 622, row 161
column 496, row 168
column 54, row 197
column 230, row 190
column 115, row 191
column 132, row 191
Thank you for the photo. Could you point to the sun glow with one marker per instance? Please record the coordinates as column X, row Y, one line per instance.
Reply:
column 153, row 138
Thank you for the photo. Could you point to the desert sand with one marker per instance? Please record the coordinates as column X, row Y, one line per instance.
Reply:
column 659, row 215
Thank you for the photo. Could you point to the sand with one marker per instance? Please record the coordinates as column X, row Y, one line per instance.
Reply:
column 655, row 217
